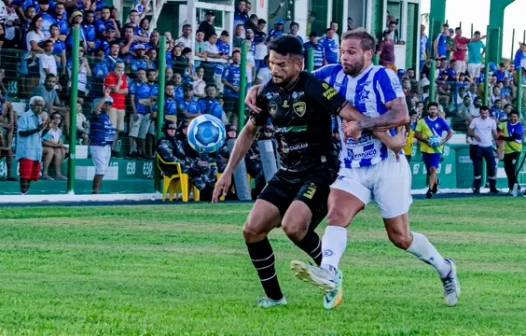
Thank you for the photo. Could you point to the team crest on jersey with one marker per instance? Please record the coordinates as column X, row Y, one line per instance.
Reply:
column 272, row 108
column 299, row 108
column 285, row 104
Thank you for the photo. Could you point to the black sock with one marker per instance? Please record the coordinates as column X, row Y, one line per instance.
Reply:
column 311, row 244
column 263, row 259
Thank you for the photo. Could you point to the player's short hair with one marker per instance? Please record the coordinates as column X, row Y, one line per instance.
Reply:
column 516, row 113
column 477, row 33
column 484, row 108
column 286, row 45
column 431, row 105
column 368, row 42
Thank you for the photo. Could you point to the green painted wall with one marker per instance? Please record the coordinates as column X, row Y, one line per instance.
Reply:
column 169, row 19
column 377, row 18
column 412, row 36
column 496, row 26
column 319, row 9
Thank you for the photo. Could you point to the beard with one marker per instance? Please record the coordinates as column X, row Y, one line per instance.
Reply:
column 355, row 68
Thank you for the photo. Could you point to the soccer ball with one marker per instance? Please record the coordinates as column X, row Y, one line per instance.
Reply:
column 206, row 134
column 434, row 141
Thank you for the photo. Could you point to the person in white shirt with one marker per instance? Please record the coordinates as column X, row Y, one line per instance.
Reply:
column 186, row 38
column 264, row 73
column 48, row 64
column 483, row 131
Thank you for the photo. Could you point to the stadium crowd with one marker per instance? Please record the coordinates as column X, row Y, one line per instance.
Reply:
column 202, row 77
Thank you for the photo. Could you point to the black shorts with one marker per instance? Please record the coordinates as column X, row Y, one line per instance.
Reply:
column 312, row 188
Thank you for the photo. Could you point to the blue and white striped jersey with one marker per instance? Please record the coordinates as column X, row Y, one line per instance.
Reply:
column 369, row 92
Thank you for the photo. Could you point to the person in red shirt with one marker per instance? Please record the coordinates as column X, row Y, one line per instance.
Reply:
column 460, row 49
column 118, row 84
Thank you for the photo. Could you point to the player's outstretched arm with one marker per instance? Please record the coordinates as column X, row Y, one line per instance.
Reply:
column 241, row 148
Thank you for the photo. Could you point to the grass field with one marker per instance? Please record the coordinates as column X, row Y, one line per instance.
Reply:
column 184, row 270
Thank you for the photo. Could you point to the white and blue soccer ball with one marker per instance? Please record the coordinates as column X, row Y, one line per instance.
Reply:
column 434, row 140
column 206, row 134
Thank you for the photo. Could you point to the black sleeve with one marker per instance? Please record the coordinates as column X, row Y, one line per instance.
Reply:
column 261, row 118
column 324, row 95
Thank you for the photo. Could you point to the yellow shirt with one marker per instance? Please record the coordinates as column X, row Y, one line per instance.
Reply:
column 408, row 149
column 428, row 128
column 508, row 129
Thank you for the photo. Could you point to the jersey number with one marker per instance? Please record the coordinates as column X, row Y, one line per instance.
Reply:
column 310, row 191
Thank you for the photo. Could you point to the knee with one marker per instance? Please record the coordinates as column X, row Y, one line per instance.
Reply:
column 294, row 229
column 252, row 231
column 340, row 216
column 432, row 170
column 400, row 240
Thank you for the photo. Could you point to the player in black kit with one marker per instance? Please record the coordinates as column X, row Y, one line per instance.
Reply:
column 300, row 107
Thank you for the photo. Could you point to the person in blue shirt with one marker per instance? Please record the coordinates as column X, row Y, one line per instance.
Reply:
column 231, row 80
column 496, row 112
column 47, row 19
column 318, row 50
column 139, row 61
column 223, row 45
column 331, row 47
column 61, row 19
column 106, row 40
column 103, row 22
column 88, row 27
column 102, row 135
column 277, row 31
column 441, row 42
column 501, row 72
column 424, row 47
column 293, row 29
column 140, row 93
column 188, row 107
column 209, row 104
column 240, row 15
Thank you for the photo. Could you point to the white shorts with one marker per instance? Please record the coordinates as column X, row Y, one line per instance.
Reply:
column 461, row 67
column 101, row 155
column 474, row 70
column 139, row 128
column 389, row 182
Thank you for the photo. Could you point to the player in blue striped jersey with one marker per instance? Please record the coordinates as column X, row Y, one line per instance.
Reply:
column 369, row 170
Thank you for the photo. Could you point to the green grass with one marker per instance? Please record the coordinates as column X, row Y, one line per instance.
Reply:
column 184, row 270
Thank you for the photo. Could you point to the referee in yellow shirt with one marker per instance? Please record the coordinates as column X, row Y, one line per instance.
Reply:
column 513, row 132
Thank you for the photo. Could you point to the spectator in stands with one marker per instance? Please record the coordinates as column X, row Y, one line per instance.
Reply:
column 264, row 73
column 277, row 31
column 331, row 46
column 231, row 80
column 188, row 108
column 199, row 83
column 82, row 126
column 476, row 49
column 294, row 27
column 186, row 38
column 424, row 47
column 200, row 45
column 207, row 26
column 317, row 49
column 393, row 32
column 83, row 74
column 29, row 143
column 102, row 135
column 7, row 127
column 386, row 52
column 252, row 23
column 239, row 36
column 460, row 48
column 334, row 26
column 106, row 21
column 209, row 104
column 118, row 84
column 53, row 148
column 47, row 63
column 49, row 93
column 241, row 14
column 441, row 42
column 34, row 38
column 140, row 93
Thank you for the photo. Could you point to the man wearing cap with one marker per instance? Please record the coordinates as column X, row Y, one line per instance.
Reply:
column 207, row 26
column 277, row 31
column 102, row 135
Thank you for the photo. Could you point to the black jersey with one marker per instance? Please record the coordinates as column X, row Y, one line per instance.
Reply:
column 302, row 119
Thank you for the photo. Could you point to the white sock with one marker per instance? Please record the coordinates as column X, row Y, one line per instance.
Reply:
column 425, row 251
column 333, row 245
